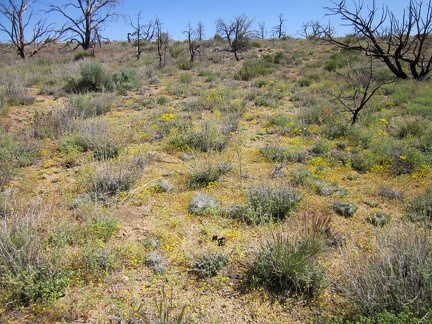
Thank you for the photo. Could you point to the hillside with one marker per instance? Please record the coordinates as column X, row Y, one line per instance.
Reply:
column 216, row 190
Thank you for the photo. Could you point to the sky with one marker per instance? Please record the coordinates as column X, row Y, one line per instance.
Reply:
column 176, row 15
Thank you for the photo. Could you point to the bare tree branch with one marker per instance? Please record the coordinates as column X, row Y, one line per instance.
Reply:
column 402, row 44
column 87, row 27
column 19, row 16
column 237, row 32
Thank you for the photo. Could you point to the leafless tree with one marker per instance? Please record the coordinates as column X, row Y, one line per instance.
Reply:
column 162, row 39
column 237, row 32
column 279, row 29
column 261, row 32
column 400, row 43
column 314, row 30
column 85, row 28
column 360, row 84
column 142, row 34
column 19, row 17
column 193, row 41
column 200, row 31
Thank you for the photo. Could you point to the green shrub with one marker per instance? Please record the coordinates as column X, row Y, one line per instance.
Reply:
column 389, row 317
column 202, row 176
column 110, row 179
column 279, row 120
column 265, row 204
column 345, row 209
column 280, row 154
column 203, row 204
column 395, row 278
column 390, row 192
column 94, row 78
column 125, row 79
column 208, row 265
column 28, row 275
column 207, row 139
column 304, row 82
column 15, row 95
column 186, row 65
column 252, row 69
column 300, row 177
column 98, row 137
column 82, row 55
column 378, row 219
column 420, row 208
column 321, row 147
column 289, row 266
column 87, row 106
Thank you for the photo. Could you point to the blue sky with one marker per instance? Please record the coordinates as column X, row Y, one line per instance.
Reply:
column 176, row 15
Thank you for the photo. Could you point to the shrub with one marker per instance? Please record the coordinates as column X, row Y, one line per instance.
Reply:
column 112, row 178
column 202, row 204
column 321, row 147
column 304, row 82
column 209, row 265
column 289, row 266
column 300, row 177
column 209, row 138
column 186, row 65
column 420, row 208
column 97, row 136
column 209, row 173
column 154, row 260
column 28, row 275
column 395, row 278
column 281, row 154
column 94, row 78
column 389, row 192
column 163, row 186
column 87, row 106
column 15, row 152
column 15, row 95
column 345, row 209
column 265, row 204
column 125, row 79
column 378, row 219
column 82, row 55
column 326, row 189
column 252, row 69
column 93, row 261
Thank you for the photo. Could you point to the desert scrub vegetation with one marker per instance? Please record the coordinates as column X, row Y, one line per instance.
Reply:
column 28, row 273
column 125, row 227
column 388, row 280
column 288, row 265
column 265, row 205
column 15, row 151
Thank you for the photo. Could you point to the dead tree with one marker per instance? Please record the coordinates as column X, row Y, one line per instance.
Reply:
column 85, row 28
column 402, row 44
column 142, row 34
column 279, row 29
column 194, row 44
column 19, row 17
column 200, row 31
column 261, row 32
column 162, row 40
column 237, row 32
column 360, row 85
